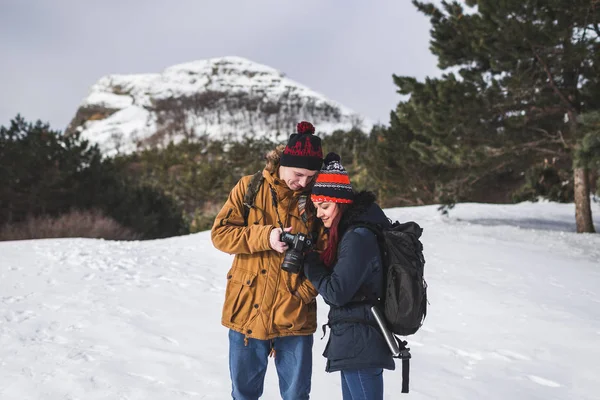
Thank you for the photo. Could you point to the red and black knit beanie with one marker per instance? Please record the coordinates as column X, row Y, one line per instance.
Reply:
column 303, row 149
column 332, row 184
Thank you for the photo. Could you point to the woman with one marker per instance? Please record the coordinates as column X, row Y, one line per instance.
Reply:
column 348, row 274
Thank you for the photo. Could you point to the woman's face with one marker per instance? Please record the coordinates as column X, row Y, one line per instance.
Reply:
column 327, row 211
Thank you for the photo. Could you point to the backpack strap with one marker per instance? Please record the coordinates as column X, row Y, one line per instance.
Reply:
column 251, row 192
column 405, row 357
column 364, row 295
column 378, row 231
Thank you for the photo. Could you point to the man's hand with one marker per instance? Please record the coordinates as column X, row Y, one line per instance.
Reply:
column 274, row 241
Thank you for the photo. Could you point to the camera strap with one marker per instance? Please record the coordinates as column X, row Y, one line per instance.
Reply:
column 301, row 208
column 274, row 200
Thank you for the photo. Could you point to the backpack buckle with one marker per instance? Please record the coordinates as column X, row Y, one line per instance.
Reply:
column 404, row 354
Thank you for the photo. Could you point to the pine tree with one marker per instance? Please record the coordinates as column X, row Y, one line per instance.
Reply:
column 393, row 168
column 522, row 74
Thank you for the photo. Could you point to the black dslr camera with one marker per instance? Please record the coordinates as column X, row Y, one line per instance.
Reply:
column 294, row 255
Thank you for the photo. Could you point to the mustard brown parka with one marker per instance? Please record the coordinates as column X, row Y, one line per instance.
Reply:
column 262, row 301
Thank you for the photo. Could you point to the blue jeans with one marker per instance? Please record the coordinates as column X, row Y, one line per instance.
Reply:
column 248, row 366
column 362, row 384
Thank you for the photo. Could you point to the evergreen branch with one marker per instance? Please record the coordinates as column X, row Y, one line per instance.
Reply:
column 407, row 200
column 480, row 177
column 552, row 84
column 595, row 24
column 534, row 145
column 541, row 150
column 560, row 139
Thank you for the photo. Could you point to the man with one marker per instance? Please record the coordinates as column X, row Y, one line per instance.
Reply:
column 268, row 310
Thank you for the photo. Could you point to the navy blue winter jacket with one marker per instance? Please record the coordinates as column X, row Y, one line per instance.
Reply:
column 358, row 269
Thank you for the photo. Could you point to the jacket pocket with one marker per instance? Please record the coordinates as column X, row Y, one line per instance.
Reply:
column 289, row 313
column 239, row 295
column 345, row 341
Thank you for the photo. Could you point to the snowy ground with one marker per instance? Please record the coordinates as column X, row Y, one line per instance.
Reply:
column 514, row 314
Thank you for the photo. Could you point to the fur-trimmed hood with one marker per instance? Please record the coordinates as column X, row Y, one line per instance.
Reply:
column 273, row 157
column 363, row 209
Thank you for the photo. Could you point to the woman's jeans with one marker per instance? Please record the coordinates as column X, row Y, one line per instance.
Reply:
column 248, row 366
column 362, row 384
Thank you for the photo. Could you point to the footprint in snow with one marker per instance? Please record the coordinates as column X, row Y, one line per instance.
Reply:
column 466, row 355
column 146, row 378
column 9, row 300
column 19, row 316
column 170, row 340
column 510, row 355
column 543, row 381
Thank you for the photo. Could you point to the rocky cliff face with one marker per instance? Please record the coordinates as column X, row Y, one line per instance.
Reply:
column 226, row 97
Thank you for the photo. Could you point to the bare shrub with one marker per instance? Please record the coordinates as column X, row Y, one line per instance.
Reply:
column 85, row 224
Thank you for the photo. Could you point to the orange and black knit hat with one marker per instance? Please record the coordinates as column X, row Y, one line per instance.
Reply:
column 303, row 149
column 332, row 184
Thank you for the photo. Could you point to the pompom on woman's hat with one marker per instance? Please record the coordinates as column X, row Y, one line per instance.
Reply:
column 332, row 184
column 303, row 149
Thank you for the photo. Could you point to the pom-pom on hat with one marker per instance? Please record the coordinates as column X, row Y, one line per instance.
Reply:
column 303, row 149
column 332, row 184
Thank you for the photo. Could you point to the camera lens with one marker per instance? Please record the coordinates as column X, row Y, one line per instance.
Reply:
column 294, row 256
column 292, row 262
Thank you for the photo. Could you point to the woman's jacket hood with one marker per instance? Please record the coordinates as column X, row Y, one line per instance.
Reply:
column 363, row 210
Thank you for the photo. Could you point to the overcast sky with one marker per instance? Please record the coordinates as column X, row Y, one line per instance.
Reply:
column 53, row 51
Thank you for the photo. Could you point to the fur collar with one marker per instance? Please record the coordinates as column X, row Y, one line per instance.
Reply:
column 273, row 158
column 362, row 201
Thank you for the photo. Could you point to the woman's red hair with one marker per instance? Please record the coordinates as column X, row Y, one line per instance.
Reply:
column 329, row 255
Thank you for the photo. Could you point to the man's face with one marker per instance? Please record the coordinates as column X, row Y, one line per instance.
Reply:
column 296, row 178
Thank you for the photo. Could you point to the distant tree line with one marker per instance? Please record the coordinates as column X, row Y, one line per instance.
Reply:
column 178, row 189
column 46, row 174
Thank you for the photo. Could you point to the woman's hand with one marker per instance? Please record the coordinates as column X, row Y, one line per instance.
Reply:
column 311, row 260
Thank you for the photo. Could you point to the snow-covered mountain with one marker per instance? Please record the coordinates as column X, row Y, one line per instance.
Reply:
column 220, row 97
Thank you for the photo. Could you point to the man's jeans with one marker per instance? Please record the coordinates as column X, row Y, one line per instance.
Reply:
column 248, row 366
column 362, row 384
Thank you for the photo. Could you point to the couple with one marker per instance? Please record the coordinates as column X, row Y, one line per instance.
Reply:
column 271, row 311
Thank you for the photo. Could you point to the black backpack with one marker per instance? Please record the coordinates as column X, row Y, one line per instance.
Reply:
column 404, row 300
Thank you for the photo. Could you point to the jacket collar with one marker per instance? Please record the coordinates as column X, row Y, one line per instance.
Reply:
column 362, row 209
